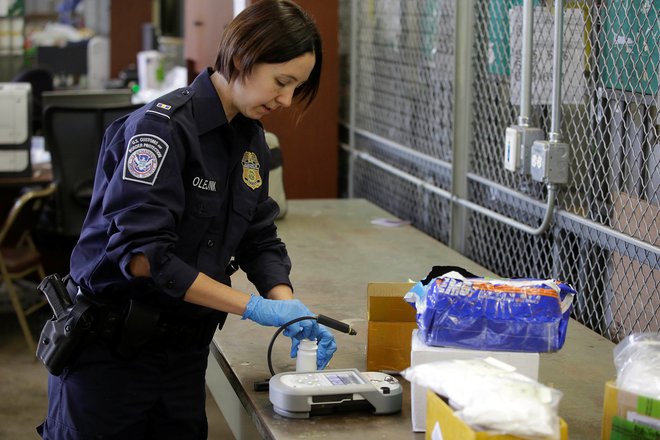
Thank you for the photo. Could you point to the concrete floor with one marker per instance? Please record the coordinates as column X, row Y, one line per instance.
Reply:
column 23, row 386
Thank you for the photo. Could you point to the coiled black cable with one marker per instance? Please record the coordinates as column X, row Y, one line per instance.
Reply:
column 321, row 319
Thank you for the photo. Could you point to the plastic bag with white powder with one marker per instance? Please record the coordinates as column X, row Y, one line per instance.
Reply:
column 637, row 361
column 490, row 395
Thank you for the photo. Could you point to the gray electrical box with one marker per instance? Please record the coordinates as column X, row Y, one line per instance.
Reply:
column 518, row 145
column 529, row 135
column 549, row 162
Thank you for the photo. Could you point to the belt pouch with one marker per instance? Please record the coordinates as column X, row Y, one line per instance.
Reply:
column 139, row 327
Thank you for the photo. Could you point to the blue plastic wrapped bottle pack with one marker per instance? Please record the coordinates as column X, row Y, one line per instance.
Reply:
column 524, row 315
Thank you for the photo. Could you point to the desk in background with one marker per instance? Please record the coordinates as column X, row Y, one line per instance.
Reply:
column 42, row 174
column 336, row 251
column 87, row 98
column 54, row 249
column 11, row 186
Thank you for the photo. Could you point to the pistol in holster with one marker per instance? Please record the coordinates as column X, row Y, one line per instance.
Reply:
column 71, row 323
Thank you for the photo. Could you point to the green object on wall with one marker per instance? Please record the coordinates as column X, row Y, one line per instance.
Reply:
column 630, row 39
column 16, row 9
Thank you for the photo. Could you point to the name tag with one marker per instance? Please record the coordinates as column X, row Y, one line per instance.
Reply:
column 205, row 184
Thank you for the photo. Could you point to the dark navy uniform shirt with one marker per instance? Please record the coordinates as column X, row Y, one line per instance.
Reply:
column 180, row 184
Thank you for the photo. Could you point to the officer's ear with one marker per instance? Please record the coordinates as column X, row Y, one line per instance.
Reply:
column 239, row 73
column 237, row 64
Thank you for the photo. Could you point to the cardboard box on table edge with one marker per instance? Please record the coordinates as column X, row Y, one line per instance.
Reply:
column 390, row 322
column 420, row 353
column 441, row 414
column 616, row 406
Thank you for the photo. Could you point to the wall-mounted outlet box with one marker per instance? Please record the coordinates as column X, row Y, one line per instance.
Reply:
column 549, row 162
column 518, row 145
column 528, row 136
column 512, row 148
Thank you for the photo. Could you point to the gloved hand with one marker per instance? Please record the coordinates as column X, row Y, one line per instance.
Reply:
column 278, row 312
column 326, row 347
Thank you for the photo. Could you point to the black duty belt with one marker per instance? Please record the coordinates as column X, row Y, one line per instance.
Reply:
column 140, row 327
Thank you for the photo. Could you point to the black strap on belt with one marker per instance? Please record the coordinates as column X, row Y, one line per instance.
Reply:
column 144, row 327
column 138, row 329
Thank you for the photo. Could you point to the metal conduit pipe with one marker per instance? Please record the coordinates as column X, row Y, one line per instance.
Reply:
column 526, row 63
column 352, row 103
column 555, row 122
column 511, row 222
column 402, row 148
column 526, row 95
column 494, row 215
column 506, row 190
column 555, row 126
column 447, row 195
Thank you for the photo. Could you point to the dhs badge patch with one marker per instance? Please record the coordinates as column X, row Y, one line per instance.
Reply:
column 144, row 157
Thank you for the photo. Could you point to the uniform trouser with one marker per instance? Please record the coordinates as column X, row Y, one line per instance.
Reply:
column 160, row 394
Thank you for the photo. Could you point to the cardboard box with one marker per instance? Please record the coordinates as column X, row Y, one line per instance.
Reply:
column 525, row 363
column 390, row 322
column 622, row 412
column 441, row 423
column 632, row 281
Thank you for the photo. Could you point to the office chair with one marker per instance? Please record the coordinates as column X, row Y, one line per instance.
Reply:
column 19, row 257
column 41, row 80
column 276, row 177
column 73, row 136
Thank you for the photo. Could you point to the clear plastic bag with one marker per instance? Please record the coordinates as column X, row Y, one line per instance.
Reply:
column 637, row 361
column 490, row 395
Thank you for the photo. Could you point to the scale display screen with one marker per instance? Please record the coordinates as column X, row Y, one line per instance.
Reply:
column 347, row 378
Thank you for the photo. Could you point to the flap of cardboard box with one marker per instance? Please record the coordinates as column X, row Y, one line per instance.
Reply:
column 385, row 303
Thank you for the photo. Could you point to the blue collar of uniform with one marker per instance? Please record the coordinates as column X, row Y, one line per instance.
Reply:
column 209, row 113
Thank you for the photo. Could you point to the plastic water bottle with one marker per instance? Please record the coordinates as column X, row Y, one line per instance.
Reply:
column 306, row 358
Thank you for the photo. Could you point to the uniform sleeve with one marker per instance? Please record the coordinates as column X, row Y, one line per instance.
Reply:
column 262, row 254
column 145, row 201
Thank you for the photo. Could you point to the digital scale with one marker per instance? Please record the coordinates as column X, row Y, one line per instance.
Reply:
column 303, row 394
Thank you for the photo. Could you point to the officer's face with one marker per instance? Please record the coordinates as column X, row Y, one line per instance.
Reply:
column 270, row 86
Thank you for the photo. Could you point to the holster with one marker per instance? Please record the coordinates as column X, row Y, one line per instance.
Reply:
column 62, row 336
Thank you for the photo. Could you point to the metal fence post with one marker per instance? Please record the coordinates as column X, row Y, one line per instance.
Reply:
column 462, row 136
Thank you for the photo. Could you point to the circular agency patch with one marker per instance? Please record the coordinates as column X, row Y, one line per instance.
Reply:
column 144, row 157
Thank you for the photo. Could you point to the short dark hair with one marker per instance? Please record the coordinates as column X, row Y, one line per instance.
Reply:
column 271, row 31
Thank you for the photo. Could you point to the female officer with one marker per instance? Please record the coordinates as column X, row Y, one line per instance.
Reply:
column 180, row 200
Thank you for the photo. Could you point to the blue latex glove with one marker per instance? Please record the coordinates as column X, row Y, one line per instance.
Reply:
column 326, row 347
column 278, row 312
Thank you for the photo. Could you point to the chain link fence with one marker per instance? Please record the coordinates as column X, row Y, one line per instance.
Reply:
column 402, row 140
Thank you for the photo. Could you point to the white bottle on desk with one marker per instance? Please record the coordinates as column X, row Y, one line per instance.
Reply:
column 306, row 358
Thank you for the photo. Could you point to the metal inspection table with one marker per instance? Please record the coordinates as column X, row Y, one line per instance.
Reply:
column 336, row 251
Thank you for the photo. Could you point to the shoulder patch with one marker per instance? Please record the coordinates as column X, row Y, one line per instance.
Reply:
column 167, row 104
column 145, row 154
